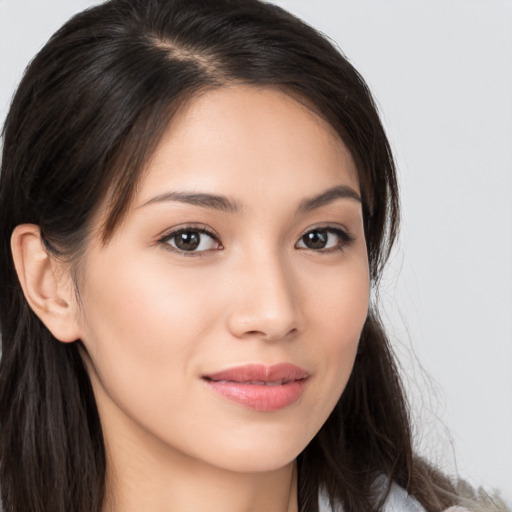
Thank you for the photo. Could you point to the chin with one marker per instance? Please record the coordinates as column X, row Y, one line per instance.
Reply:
column 262, row 451
column 251, row 462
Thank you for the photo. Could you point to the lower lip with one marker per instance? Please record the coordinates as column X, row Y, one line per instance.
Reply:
column 258, row 396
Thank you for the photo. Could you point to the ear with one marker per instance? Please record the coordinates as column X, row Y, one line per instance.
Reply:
column 46, row 283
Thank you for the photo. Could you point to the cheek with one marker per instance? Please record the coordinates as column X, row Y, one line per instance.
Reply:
column 143, row 327
column 142, row 332
column 126, row 299
column 337, row 301
column 340, row 323
column 338, row 310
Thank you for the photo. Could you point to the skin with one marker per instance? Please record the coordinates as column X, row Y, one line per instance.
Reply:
column 154, row 320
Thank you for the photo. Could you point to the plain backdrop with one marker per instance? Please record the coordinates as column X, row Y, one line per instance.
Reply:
column 441, row 71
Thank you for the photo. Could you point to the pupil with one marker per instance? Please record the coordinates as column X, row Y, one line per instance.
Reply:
column 315, row 239
column 188, row 241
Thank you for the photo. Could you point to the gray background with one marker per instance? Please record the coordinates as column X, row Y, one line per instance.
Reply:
column 442, row 73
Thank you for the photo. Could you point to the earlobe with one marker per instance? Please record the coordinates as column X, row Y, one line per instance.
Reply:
column 46, row 283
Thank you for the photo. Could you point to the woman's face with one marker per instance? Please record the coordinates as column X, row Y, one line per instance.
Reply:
column 222, row 320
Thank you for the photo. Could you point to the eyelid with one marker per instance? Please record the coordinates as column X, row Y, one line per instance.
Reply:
column 344, row 233
column 176, row 230
column 341, row 231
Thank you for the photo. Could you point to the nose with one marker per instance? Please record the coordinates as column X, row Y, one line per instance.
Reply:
column 265, row 302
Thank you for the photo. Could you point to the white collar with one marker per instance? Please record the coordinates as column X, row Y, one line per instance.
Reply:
column 397, row 501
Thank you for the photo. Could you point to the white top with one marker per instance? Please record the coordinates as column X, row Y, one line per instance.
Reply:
column 397, row 501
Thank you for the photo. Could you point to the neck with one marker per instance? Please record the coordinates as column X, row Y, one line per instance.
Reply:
column 164, row 480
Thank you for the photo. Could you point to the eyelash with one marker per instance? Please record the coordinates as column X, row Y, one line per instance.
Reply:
column 203, row 230
column 346, row 238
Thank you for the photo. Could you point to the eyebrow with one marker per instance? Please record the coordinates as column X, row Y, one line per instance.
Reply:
column 330, row 195
column 212, row 201
column 222, row 203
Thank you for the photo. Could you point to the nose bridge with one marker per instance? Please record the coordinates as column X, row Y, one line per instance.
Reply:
column 266, row 303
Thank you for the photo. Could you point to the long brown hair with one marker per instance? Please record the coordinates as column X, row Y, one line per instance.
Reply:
column 87, row 115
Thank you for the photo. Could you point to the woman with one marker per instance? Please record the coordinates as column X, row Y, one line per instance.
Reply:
column 197, row 198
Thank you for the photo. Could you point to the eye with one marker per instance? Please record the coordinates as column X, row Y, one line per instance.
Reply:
column 324, row 239
column 191, row 240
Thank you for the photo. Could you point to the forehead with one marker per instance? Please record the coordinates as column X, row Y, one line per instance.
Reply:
column 243, row 137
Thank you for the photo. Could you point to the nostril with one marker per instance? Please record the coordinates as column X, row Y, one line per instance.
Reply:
column 272, row 336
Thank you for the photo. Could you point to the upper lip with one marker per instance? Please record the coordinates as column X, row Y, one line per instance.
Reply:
column 255, row 373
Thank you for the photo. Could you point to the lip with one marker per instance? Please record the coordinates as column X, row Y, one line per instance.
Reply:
column 260, row 387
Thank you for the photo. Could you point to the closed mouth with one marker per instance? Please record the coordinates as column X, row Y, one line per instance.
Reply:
column 259, row 387
column 259, row 374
